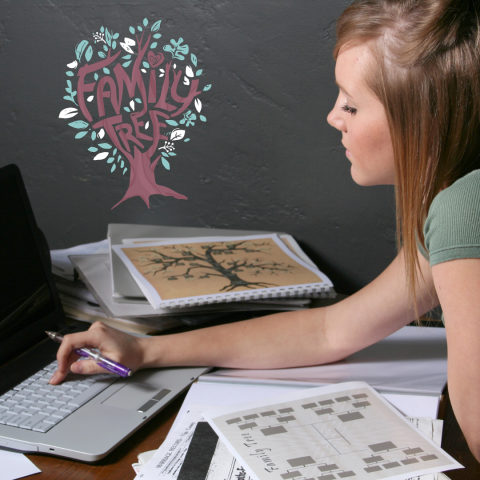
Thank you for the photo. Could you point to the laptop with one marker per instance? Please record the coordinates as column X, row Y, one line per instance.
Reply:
column 87, row 416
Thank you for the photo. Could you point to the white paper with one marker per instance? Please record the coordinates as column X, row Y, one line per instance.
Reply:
column 411, row 360
column 15, row 465
column 61, row 264
column 336, row 429
column 224, row 395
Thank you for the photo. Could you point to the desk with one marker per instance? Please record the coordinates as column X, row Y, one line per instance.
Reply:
column 118, row 465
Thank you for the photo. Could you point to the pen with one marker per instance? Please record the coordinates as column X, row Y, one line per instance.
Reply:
column 99, row 359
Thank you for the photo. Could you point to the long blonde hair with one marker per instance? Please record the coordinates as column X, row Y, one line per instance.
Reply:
column 426, row 73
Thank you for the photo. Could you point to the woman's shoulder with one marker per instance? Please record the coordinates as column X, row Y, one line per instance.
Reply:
column 452, row 228
column 464, row 190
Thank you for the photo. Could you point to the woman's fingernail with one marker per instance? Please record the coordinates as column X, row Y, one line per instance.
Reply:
column 78, row 367
column 54, row 377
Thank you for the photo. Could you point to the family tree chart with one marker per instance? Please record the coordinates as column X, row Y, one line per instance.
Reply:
column 342, row 434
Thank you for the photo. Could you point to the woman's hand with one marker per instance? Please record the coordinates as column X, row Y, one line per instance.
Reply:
column 115, row 345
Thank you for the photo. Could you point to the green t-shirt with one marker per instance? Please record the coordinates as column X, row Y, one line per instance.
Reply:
column 452, row 228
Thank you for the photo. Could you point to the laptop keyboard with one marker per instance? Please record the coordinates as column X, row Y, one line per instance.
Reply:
column 36, row 405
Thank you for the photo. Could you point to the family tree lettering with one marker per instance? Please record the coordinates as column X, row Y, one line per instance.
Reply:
column 138, row 102
column 183, row 262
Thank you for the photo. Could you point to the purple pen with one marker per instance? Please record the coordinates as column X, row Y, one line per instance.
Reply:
column 99, row 359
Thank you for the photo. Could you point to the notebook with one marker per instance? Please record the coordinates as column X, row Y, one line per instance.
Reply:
column 86, row 417
column 196, row 271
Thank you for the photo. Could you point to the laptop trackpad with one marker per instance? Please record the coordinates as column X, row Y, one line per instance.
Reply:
column 132, row 396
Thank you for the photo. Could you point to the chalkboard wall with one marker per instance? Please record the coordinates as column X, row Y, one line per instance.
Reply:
column 264, row 159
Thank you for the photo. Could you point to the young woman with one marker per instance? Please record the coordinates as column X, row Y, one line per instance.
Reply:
column 408, row 72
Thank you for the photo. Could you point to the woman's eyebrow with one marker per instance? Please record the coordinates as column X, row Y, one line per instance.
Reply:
column 343, row 89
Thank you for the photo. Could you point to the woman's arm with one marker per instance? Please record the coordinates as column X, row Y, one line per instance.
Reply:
column 458, row 287
column 290, row 339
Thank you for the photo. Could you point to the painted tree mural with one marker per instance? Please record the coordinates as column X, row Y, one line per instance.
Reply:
column 137, row 101
column 190, row 263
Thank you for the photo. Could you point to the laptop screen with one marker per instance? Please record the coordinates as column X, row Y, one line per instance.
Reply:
column 27, row 297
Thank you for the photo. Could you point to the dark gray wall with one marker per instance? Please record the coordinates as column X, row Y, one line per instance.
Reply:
column 265, row 159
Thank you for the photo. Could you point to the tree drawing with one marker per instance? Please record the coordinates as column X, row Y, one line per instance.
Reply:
column 138, row 99
column 189, row 263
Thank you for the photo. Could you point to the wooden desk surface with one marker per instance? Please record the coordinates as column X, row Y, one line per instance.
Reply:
column 118, row 465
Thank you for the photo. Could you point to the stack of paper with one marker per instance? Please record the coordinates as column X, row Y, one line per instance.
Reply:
column 341, row 431
column 161, row 277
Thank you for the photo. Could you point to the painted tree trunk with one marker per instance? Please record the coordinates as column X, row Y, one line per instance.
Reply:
column 142, row 181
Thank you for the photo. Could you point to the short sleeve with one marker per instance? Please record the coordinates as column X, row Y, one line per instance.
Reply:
column 452, row 228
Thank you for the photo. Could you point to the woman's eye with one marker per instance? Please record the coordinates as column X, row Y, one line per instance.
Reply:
column 348, row 109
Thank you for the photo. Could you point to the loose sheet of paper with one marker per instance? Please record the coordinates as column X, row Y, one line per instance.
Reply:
column 341, row 431
column 167, row 461
column 15, row 465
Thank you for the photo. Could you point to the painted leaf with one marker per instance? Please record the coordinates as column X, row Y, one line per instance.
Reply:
column 187, row 140
column 115, row 151
column 113, row 168
column 172, row 122
column 164, row 154
column 165, row 163
column 90, row 98
column 105, row 48
column 129, row 41
column 156, row 26
column 126, row 64
column 93, row 149
column 157, row 35
column 146, row 64
column 125, row 47
column 81, row 134
column 153, row 45
column 132, row 105
column 122, row 164
column 101, row 133
column 80, row 48
column 102, row 29
column 79, row 124
column 147, row 125
column 202, row 118
column 138, row 100
column 70, row 74
column 206, row 88
column 177, row 134
column 198, row 105
column 102, row 55
column 93, row 136
column 143, row 70
column 132, row 30
column 106, row 70
column 108, row 37
column 101, row 156
column 172, row 154
column 89, row 53
column 74, row 64
column 116, row 36
column 95, row 76
column 139, row 28
column 110, row 160
column 199, row 72
column 68, row 113
column 127, row 57
column 114, row 44
column 124, row 170
column 126, row 109
column 145, row 22
column 194, row 59
column 189, row 71
column 104, row 145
